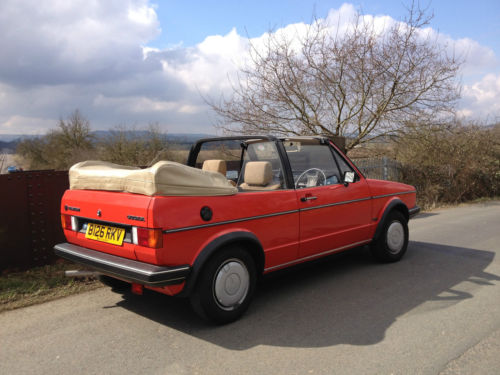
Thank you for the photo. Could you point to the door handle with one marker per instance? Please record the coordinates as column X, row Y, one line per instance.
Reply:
column 309, row 198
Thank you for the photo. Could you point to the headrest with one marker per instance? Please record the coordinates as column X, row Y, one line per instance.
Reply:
column 258, row 173
column 215, row 166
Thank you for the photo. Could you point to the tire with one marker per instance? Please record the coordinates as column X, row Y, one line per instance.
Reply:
column 115, row 284
column 392, row 243
column 225, row 286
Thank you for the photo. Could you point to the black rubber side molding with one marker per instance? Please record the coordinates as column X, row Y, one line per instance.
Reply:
column 413, row 211
column 126, row 269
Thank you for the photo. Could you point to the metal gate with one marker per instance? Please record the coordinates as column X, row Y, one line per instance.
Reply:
column 30, row 223
column 380, row 168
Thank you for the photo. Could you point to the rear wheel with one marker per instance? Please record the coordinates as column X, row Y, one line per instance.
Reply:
column 392, row 243
column 225, row 286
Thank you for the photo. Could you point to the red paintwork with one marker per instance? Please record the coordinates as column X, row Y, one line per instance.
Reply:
column 286, row 239
column 379, row 187
column 335, row 226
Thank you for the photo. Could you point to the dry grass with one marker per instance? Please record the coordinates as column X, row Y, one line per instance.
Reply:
column 40, row 284
column 441, row 205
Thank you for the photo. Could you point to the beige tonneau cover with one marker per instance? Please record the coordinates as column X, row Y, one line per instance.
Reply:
column 163, row 178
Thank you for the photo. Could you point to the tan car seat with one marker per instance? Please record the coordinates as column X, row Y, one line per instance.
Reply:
column 258, row 176
column 216, row 165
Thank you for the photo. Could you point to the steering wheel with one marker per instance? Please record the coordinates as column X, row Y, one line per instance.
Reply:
column 311, row 178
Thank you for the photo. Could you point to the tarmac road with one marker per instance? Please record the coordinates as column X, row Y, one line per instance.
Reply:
column 436, row 311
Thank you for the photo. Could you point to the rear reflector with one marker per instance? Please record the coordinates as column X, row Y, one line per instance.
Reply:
column 66, row 222
column 69, row 222
column 147, row 237
column 137, row 288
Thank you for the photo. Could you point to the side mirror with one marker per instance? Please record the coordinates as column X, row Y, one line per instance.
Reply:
column 348, row 178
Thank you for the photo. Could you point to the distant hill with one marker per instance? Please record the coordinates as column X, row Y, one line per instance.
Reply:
column 16, row 137
column 8, row 142
column 104, row 133
column 8, row 147
column 182, row 140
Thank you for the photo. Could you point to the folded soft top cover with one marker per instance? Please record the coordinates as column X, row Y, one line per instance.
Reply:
column 163, row 178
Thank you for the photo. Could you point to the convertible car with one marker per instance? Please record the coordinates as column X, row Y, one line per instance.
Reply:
column 241, row 207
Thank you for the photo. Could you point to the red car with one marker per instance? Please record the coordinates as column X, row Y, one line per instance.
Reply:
column 241, row 208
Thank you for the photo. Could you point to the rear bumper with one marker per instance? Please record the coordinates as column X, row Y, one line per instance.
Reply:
column 413, row 211
column 126, row 269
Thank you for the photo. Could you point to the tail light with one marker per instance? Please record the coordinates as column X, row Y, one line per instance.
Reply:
column 69, row 222
column 147, row 237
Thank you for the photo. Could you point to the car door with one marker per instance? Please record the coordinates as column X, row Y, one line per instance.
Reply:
column 333, row 216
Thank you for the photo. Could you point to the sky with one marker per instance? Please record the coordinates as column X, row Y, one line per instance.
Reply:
column 135, row 62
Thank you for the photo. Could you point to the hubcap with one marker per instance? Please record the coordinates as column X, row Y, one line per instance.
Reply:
column 231, row 284
column 395, row 237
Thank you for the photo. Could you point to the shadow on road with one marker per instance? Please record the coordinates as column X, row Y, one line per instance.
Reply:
column 345, row 299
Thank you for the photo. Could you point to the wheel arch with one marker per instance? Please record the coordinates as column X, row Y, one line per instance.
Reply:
column 246, row 240
column 395, row 204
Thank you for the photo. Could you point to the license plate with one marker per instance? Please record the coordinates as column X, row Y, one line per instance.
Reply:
column 104, row 233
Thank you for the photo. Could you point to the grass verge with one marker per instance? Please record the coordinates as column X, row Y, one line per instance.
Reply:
column 40, row 284
column 459, row 204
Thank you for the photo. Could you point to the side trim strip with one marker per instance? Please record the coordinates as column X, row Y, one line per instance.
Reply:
column 318, row 255
column 393, row 194
column 229, row 221
column 335, row 204
column 175, row 230
column 414, row 211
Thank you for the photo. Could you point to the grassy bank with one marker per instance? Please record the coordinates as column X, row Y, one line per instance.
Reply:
column 40, row 284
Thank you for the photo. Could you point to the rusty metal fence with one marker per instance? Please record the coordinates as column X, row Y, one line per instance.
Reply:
column 30, row 223
column 380, row 168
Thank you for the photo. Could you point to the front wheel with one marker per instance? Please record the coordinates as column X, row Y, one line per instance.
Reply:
column 225, row 286
column 392, row 243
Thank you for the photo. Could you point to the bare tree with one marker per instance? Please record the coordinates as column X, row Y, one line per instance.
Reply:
column 72, row 141
column 128, row 146
column 363, row 83
column 75, row 132
column 60, row 148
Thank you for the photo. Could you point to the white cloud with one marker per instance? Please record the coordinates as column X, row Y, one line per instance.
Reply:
column 481, row 99
column 94, row 55
column 78, row 41
column 22, row 124
column 206, row 66
column 477, row 58
column 141, row 105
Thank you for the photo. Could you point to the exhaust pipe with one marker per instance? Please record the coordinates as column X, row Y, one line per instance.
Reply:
column 79, row 273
